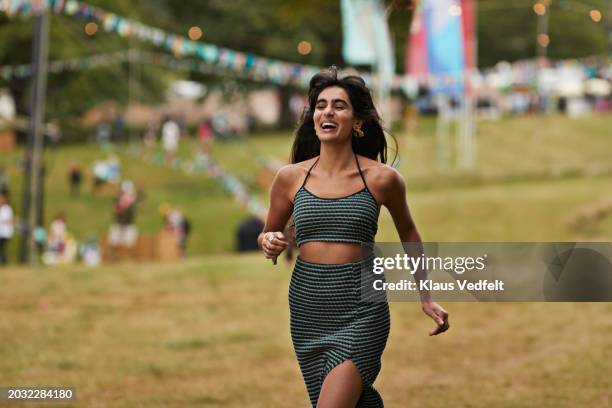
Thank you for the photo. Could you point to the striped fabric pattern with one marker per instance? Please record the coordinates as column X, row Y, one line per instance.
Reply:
column 352, row 219
column 330, row 324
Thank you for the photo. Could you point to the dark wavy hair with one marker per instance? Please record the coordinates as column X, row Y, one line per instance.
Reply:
column 373, row 144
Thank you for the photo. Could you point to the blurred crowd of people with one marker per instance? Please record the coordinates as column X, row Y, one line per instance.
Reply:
column 221, row 126
column 57, row 245
column 570, row 87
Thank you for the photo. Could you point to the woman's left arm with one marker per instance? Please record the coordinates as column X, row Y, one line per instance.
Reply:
column 394, row 198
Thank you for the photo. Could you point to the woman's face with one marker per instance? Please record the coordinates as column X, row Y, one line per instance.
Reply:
column 333, row 115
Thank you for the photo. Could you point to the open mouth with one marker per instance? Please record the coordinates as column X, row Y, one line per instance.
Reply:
column 329, row 126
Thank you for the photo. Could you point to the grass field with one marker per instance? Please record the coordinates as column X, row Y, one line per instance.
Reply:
column 212, row 330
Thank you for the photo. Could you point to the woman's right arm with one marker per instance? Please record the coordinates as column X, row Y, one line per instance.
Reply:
column 281, row 208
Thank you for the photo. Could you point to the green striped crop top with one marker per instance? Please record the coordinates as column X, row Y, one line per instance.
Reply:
column 351, row 219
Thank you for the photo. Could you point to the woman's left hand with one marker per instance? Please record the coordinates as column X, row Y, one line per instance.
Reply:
column 438, row 314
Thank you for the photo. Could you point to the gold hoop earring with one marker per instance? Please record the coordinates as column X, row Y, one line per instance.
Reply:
column 357, row 132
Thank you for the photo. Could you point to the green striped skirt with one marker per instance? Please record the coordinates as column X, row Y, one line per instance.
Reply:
column 330, row 324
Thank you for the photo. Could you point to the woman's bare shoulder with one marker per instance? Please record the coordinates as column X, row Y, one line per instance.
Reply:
column 383, row 180
column 378, row 172
column 290, row 173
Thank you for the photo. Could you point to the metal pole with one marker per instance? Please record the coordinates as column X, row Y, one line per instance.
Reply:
column 471, row 101
column 131, row 80
column 443, row 134
column 609, row 24
column 33, row 161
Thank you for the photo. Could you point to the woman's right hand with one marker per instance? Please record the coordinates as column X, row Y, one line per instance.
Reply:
column 273, row 244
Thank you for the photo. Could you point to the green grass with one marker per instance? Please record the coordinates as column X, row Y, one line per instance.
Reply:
column 515, row 149
column 214, row 332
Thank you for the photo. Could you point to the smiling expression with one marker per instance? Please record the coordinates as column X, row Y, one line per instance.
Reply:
column 333, row 116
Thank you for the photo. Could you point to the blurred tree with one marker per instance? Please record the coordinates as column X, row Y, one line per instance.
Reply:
column 71, row 93
column 507, row 31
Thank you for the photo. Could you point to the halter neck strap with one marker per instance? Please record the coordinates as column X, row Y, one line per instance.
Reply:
column 360, row 171
column 358, row 168
column 309, row 170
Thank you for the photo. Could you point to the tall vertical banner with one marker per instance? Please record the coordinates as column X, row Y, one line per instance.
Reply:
column 445, row 53
column 367, row 41
column 385, row 56
column 416, row 53
column 468, row 18
column 442, row 53
column 441, row 44
column 358, row 46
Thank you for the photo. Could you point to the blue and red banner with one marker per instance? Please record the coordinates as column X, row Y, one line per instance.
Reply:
column 441, row 44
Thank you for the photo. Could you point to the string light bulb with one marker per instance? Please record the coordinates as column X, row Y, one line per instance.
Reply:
column 539, row 9
column 91, row 28
column 543, row 40
column 595, row 15
column 304, row 47
column 194, row 33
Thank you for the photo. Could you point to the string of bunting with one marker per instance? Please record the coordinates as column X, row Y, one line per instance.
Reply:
column 220, row 60
column 203, row 163
column 250, row 65
column 502, row 76
column 113, row 58
column 71, row 64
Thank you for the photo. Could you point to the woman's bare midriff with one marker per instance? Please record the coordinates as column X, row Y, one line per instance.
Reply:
column 330, row 252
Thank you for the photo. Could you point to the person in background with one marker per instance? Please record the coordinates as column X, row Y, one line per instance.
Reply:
column 4, row 181
column 205, row 134
column 176, row 222
column 6, row 227
column 170, row 139
column 53, row 133
column 149, row 137
column 104, row 133
column 39, row 235
column 99, row 170
column 118, row 130
column 75, row 177
column 58, row 235
column 123, row 233
column 62, row 247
